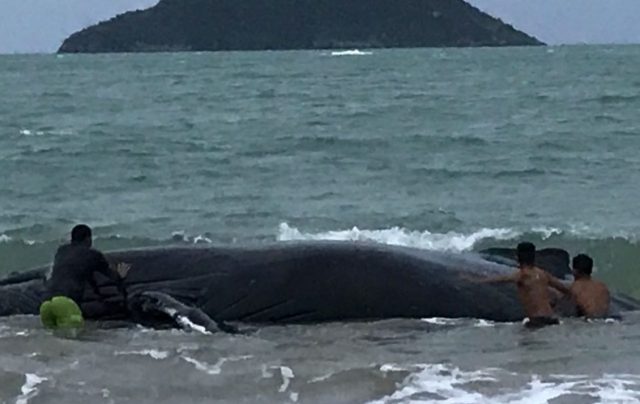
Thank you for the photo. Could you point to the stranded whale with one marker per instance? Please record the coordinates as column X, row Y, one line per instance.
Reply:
column 297, row 282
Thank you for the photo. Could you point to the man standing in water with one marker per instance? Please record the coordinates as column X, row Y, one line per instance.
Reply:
column 590, row 296
column 74, row 266
column 533, row 287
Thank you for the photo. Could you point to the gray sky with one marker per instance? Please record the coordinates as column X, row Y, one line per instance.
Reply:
column 41, row 25
column 570, row 21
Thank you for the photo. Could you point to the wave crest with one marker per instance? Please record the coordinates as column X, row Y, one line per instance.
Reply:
column 450, row 241
column 351, row 52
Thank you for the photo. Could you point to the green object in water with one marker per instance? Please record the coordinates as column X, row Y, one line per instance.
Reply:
column 61, row 313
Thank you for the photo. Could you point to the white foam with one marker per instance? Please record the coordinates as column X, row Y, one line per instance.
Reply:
column 155, row 354
column 440, row 320
column 320, row 378
column 389, row 367
column 29, row 389
column 201, row 239
column 186, row 323
column 451, row 384
column 584, row 231
column 205, row 367
column 439, row 380
column 27, row 132
column 182, row 236
column 179, row 235
column 287, row 375
column 266, row 373
column 6, row 239
column 547, row 232
column 144, row 330
column 450, row 241
column 568, row 377
column 351, row 52
column 609, row 388
column 59, row 132
column 578, row 230
column 187, row 347
column 215, row 369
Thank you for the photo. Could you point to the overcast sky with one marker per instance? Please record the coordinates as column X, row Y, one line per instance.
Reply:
column 570, row 21
column 41, row 25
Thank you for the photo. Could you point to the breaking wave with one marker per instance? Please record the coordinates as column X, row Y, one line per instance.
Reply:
column 443, row 383
column 351, row 52
column 451, row 241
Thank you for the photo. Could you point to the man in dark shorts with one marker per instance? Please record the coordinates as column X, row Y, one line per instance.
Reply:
column 590, row 296
column 533, row 287
column 75, row 265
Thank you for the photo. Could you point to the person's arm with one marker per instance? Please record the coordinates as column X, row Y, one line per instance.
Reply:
column 94, row 286
column 103, row 267
column 558, row 285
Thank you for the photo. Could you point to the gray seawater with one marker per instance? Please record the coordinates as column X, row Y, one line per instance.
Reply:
column 454, row 149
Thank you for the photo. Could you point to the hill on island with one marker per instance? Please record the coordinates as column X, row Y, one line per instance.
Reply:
column 217, row 25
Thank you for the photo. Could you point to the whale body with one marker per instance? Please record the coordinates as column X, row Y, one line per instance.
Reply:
column 304, row 282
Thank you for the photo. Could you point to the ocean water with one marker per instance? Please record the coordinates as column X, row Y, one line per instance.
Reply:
column 455, row 149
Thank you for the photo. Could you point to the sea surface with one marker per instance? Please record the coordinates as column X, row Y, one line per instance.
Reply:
column 448, row 149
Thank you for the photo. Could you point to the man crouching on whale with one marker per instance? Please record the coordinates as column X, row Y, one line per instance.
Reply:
column 74, row 266
column 533, row 287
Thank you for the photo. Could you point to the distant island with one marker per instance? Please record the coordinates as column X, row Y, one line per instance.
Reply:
column 224, row 25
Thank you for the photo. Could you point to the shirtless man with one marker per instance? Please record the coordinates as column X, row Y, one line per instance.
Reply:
column 533, row 287
column 590, row 296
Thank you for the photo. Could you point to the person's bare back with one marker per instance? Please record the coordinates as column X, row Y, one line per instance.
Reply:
column 590, row 296
column 533, row 290
column 533, row 287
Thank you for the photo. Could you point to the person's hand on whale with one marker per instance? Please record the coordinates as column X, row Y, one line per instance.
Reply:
column 122, row 269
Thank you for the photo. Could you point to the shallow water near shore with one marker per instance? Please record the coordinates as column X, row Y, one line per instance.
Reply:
column 447, row 149
column 427, row 360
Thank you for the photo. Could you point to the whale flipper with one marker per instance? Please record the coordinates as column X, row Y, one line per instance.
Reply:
column 157, row 308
